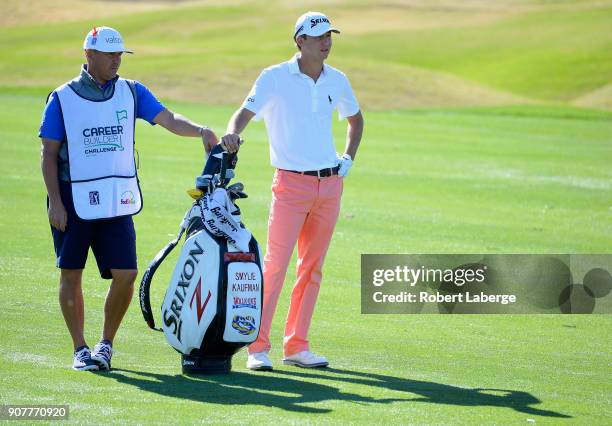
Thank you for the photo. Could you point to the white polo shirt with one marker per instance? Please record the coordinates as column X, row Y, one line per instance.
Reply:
column 298, row 113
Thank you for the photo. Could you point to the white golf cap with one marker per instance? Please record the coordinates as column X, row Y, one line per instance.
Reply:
column 313, row 24
column 104, row 39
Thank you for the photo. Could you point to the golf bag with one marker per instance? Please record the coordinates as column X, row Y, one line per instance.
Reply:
column 213, row 303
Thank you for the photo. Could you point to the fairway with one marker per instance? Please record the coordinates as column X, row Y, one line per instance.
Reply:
column 458, row 156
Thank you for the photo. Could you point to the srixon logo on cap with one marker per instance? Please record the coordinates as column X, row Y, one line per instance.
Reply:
column 315, row 21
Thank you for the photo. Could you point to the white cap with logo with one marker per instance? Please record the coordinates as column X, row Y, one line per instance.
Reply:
column 104, row 39
column 313, row 24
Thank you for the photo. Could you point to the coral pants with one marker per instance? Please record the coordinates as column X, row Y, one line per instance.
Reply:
column 304, row 210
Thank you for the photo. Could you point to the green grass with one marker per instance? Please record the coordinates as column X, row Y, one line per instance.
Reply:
column 482, row 53
column 549, row 55
column 494, row 159
column 443, row 180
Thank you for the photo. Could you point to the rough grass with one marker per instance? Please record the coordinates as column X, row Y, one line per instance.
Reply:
column 401, row 54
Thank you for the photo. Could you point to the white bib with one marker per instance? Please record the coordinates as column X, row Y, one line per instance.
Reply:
column 100, row 137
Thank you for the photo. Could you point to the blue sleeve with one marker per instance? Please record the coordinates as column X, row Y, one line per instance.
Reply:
column 52, row 124
column 148, row 105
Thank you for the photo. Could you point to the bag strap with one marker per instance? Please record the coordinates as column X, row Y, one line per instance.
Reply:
column 145, row 283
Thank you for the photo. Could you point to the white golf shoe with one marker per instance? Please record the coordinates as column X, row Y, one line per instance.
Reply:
column 102, row 354
column 306, row 359
column 82, row 360
column 259, row 361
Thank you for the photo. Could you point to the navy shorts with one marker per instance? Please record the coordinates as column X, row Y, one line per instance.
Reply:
column 112, row 241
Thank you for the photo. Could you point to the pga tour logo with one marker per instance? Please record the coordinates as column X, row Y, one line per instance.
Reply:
column 94, row 198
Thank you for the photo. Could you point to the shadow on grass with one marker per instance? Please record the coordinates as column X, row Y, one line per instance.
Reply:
column 436, row 393
column 289, row 390
column 238, row 388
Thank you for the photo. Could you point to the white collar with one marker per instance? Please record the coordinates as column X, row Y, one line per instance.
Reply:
column 294, row 66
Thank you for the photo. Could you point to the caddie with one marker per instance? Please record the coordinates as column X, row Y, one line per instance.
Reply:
column 89, row 170
column 296, row 100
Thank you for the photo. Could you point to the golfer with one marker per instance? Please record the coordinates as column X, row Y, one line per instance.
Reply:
column 296, row 99
column 92, row 185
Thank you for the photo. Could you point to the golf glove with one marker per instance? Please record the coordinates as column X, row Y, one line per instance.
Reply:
column 345, row 162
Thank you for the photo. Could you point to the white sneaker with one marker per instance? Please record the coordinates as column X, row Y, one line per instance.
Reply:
column 102, row 354
column 259, row 361
column 82, row 360
column 306, row 359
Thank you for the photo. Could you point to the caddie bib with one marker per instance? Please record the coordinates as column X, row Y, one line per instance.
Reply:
column 100, row 139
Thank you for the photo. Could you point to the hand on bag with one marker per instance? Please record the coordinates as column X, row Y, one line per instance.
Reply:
column 231, row 142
